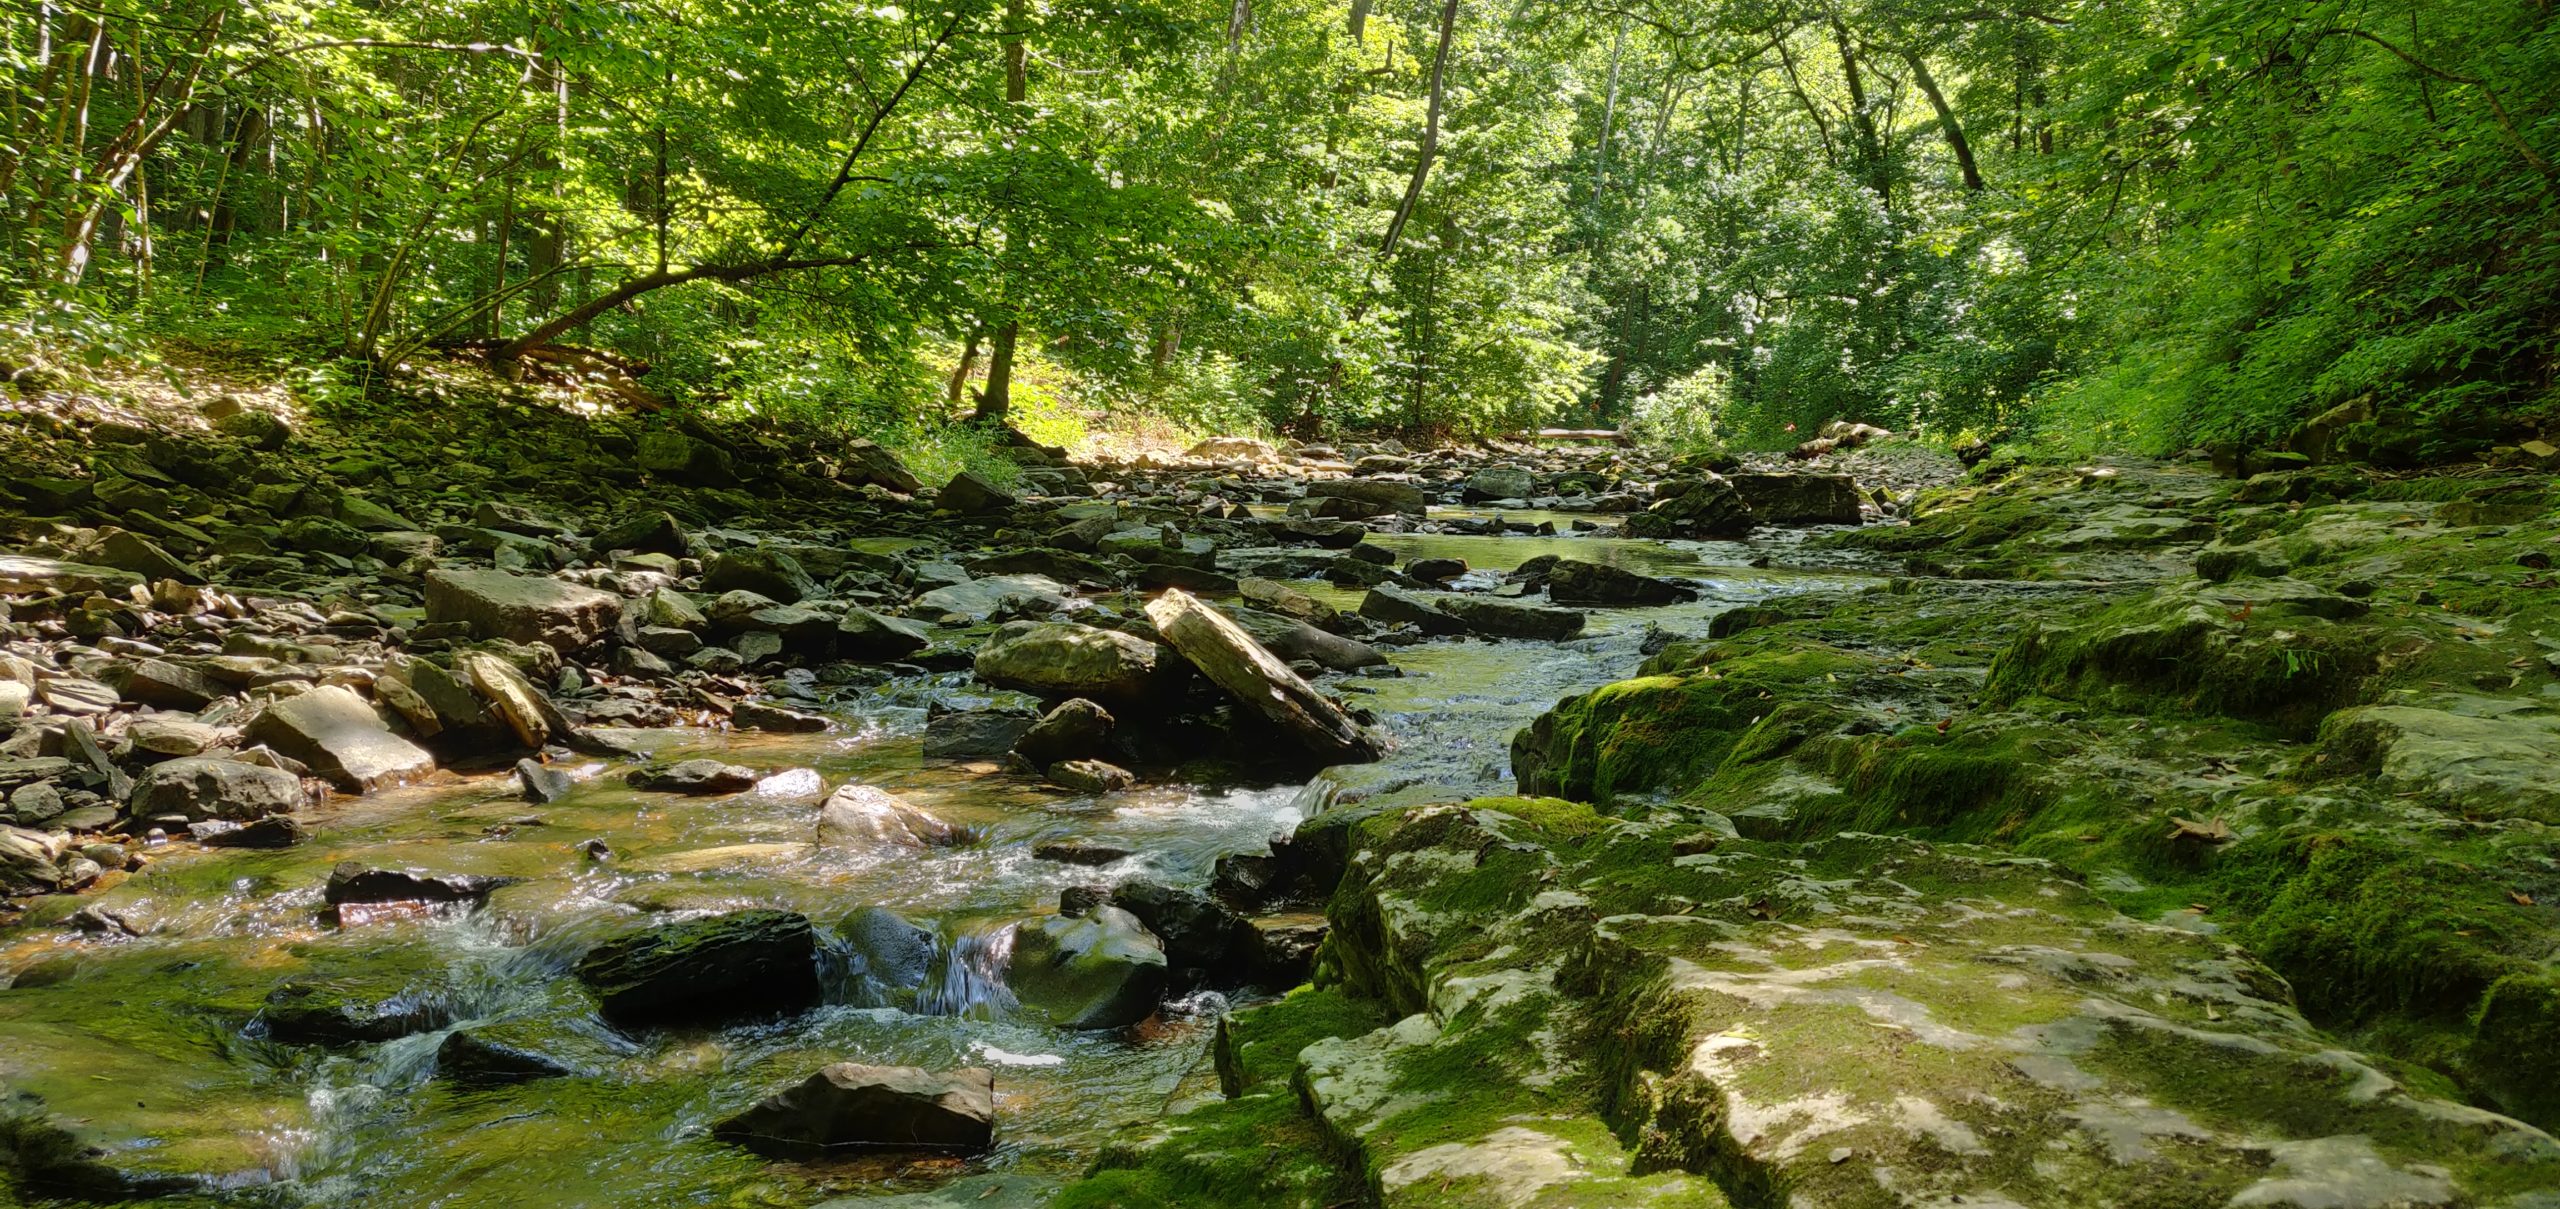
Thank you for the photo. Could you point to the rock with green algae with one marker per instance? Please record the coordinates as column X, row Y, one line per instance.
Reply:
column 1096, row 971
column 1595, row 1018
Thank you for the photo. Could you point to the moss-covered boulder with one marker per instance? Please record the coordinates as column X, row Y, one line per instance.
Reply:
column 1624, row 1013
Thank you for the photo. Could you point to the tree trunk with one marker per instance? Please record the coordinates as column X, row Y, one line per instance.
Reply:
column 1430, row 132
column 997, row 398
column 1870, row 145
column 1956, row 142
column 958, row 388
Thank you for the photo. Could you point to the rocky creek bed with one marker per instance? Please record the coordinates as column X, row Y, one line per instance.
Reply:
column 494, row 806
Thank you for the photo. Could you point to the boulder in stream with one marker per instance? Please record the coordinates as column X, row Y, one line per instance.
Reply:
column 743, row 965
column 1799, row 499
column 1703, row 506
column 1075, row 729
column 1230, row 657
column 851, row 1106
column 698, row 778
column 865, row 817
column 1571, row 581
column 1061, row 659
column 1100, row 970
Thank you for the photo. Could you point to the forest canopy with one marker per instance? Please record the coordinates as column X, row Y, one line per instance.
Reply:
column 2148, row 223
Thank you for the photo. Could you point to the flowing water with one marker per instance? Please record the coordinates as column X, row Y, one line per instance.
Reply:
column 155, row 1043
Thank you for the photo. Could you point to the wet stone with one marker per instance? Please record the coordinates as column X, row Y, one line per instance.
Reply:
column 694, row 777
column 852, row 1106
column 739, row 966
column 347, row 1012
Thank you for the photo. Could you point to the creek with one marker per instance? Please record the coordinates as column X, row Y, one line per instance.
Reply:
column 155, row 1041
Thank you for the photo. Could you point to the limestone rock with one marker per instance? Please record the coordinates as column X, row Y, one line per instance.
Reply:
column 1076, row 728
column 1233, row 449
column 862, row 817
column 694, row 777
column 866, row 462
column 1705, row 506
column 647, row 533
column 1382, row 495
column 970, row 493
column 22, row 574
column 1799, row 499
column 1575, row 582
column 1061, row 659
column 1102, row 970
column 1494, row 618
column 200, row 788
column 341, row 738
column 875, row 638
column 1090, row 776
column 1501, row 483
column 522, row 608
column 773, row 574
column 683, row 459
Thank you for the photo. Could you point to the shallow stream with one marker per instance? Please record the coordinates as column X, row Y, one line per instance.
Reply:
column 155, row 1042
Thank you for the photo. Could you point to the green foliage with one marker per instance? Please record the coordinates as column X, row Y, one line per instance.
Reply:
column 2138, row 225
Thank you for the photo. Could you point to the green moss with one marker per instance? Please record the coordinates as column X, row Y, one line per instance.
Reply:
column 1667, row 731
column 2364, row 924
column 1554, row 816
column 1259, row 1149
column 1257, row 1047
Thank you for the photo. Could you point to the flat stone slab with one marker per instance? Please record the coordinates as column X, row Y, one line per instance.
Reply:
column 522, row 608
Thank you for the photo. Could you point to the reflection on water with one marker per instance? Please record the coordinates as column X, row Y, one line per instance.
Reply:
column 157, row 1042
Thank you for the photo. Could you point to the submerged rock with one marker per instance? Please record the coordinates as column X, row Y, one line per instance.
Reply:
column 744, row 965
column 495, row 1056
column 850, row 1106
column 341, row 1013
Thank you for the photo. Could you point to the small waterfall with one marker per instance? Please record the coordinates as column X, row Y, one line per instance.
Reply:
column 969, row 980
column 1318, row 795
